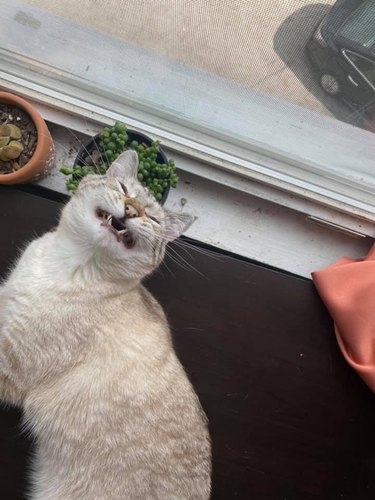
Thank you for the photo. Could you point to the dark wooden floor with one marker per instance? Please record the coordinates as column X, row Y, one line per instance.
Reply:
column 289, row 420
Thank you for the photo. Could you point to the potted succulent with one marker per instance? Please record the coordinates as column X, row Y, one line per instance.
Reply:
column 155, row 171
column 26, row 147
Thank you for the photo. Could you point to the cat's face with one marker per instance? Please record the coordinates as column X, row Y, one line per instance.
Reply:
column 115, row 220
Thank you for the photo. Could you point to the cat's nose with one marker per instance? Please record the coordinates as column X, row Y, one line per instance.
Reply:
column 133, row 208
column 131, row 211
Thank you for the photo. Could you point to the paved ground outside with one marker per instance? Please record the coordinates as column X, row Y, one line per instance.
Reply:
column 259, row 43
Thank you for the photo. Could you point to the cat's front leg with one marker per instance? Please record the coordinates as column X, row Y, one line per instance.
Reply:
column 9, row 392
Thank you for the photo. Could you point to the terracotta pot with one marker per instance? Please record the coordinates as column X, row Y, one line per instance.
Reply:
column 44, row 155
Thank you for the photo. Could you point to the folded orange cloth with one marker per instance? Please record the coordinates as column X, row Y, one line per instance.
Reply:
column 348, row 290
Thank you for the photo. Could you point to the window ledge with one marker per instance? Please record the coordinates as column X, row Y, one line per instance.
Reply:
column 233, row 213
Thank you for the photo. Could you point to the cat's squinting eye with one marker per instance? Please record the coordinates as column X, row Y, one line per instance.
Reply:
column 123, row 187
column 153, row 219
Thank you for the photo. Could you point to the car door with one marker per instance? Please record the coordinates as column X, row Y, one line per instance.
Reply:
column 361, row 78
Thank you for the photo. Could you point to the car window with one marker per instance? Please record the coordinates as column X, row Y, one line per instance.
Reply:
column 360, row 27
column 364, row 65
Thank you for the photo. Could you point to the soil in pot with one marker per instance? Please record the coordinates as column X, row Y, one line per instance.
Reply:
column 13, row 115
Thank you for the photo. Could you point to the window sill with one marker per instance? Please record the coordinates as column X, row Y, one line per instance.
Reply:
column 234, row 214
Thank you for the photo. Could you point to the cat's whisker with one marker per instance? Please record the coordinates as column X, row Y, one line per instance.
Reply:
column 168, row 269
column 182, row 244
column 100, row 152
column 61, row 145
column 175, row 261
column 179, row 244
column 178, row 258
column 81, row 143
column 163, row 262
column 187, row 266
column 82, row 146
column 204, row 251
column 150, row 248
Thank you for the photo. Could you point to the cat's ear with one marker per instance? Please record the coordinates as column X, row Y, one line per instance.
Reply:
column 176, row 224
column 125, row 166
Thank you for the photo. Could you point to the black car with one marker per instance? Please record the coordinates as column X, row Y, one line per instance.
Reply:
column 342, row 48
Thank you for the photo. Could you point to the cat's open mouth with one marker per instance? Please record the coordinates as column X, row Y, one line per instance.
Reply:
column 117, row 227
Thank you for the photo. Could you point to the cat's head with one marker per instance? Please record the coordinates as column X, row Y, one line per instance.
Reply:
column 114, row 221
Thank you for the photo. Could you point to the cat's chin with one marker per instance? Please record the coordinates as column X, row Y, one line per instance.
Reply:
column 117, row 227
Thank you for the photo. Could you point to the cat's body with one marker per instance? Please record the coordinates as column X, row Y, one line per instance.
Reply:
column 92, row 364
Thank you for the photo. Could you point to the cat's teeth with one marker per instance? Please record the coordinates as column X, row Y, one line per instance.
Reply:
column 123, row 231
column 109, row 218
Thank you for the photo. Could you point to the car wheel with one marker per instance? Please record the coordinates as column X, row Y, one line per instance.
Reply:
column 330, row 84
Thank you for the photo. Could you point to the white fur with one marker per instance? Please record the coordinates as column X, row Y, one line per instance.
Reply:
column 86, row 351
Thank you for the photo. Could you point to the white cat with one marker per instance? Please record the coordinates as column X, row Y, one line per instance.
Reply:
column 86, row 351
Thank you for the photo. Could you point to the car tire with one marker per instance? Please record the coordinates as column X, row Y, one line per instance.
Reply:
column 330, row 84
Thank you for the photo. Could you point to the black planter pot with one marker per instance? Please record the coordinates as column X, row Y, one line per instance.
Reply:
column 93, row 144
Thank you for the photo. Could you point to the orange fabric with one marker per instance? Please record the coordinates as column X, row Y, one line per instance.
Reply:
column 348, row 290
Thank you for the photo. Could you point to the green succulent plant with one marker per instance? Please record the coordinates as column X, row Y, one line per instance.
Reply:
column 10, row 142
column 157, row 177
